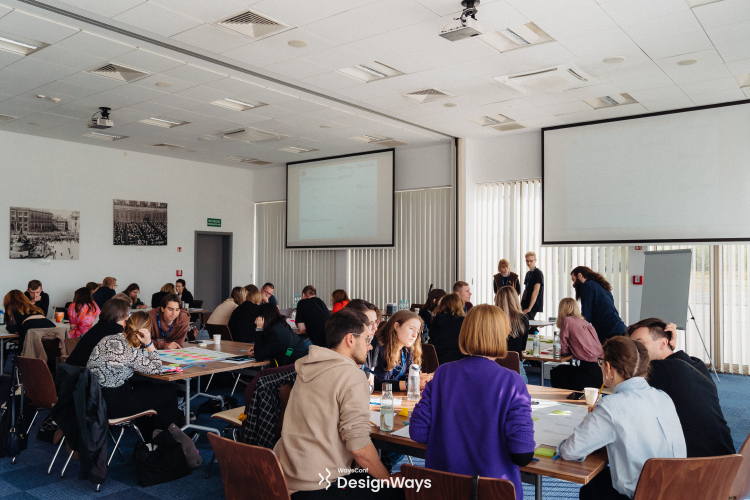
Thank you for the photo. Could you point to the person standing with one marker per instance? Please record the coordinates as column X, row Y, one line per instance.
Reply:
column 597, row 302
column 35, row 293
column 532, row 300
column 505, row 278
column 312, row 314
column 180, row 288
column 105, row 292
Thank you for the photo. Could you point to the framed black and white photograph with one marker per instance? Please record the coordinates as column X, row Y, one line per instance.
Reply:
column 140, row 223
column 42, row 233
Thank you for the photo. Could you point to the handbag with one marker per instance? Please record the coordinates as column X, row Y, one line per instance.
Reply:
column 15, row 439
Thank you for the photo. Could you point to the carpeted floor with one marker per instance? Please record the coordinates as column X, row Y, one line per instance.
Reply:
column 27, row 479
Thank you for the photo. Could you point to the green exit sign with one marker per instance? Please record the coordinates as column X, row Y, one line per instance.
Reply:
column 214, row 222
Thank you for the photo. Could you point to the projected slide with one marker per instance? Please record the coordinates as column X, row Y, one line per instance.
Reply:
column 341, row 202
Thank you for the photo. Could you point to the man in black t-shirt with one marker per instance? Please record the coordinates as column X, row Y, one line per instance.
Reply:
column 532, row 300
column 312, row 314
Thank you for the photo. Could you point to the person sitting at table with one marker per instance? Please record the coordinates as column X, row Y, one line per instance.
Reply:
column 116, row 358
column 111, row 321
column 506, row 299
column 266, row 293
column 21, row 315
column 132, row 292
column 274, row 339
column 446, row 327
column 242, row 321
column 400, row 347
column 577, row 338
column 505, row 278
column 105, row 292
column 170, row 323
column 82, row 312
column 224, row 311
column 339, row 299
column 167, row 289
column 180, row 288
column 35, row 293
column 427, row 311
column 373, row 316
column 312, row 314
column 494, row 398
column 635, row 423
column 314, row 437
column 463, row 290
column 688, row 382
column 93, row 286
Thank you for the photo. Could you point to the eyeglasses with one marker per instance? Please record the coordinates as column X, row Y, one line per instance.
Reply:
column 600, row 361
column 368, row 339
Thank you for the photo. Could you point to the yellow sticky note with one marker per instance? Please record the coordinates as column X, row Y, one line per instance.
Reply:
column 404, row 412
column 544, row 452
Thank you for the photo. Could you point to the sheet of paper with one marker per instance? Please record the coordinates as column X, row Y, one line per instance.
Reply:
column 403, row 432
column 375, row 418
column 190, row 355
column 542, row 404
column 552, row 426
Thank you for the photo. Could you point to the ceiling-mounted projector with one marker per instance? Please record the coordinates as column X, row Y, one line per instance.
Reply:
column 103, row 121
column 465, row 26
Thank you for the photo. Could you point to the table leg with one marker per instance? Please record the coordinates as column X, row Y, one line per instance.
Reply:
column 538, row 487
column 2, row 357
column 205, row 395
column 188, row 425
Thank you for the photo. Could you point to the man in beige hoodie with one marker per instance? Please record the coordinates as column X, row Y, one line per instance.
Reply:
column 327, row 420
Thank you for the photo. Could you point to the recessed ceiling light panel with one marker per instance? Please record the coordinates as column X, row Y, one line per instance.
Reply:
column 105, row 137
column 516, row 37
column 370, row 72
column 295, row 149
column 610, row 100
column 491, row 120
column 19, row 44
column 253, row 135
column 163, row 122
column 238, row 105
column 371, row 138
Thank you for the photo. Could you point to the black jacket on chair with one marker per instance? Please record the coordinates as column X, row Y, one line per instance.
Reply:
column 444, row 332
column 80, row 406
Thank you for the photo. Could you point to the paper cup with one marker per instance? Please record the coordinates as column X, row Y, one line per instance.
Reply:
column 217, row 339
column 59, row 317
column 591, row 394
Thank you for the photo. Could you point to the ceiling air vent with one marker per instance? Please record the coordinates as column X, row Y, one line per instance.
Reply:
column 544, row 80
column 254, row 161
column 6, row 118
column 252, row 24
column 427, row 95
column 164, row 145
column 119, row 73
column 253, row 135
column 609, row 101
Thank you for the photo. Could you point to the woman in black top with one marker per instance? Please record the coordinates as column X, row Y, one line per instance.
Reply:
column 274, row 339
column 22, row 315
column 426, row 312
column 507, row 300
column 446, row 327
column 242, row 321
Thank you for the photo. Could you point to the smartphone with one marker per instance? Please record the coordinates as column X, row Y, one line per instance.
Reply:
column 576, row 395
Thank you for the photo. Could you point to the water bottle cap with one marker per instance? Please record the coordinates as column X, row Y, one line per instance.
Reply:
column 416, row 367
column 387, row 387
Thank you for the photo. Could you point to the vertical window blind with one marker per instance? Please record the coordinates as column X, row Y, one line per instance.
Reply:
column 735, row 310
column 288, row 270
column 424, row 251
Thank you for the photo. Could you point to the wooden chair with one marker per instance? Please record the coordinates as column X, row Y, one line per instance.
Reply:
column 741, row 487
column 510, row 361
column 448, row 486
column 222, row 330
column 429, row 359
column 246, row 468
column 416, row 306
column 39, row 388
column 687, row 478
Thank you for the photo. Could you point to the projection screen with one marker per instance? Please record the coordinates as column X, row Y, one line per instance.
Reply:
column 681, row 176
column 341, row 202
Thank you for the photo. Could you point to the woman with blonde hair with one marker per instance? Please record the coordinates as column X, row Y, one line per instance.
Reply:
column 577, row 337
column 339, row 299
column 505, row 278
column 507, row 300
column 499, row 401
column 242, row 320
column 224, row 311
column 400, row 347
column 446, row 327
column 167, row 289
column 114, row 361
column 21, row 315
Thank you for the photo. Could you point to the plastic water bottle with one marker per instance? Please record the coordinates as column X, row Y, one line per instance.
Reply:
column 556, row 347
column 413, row 392
column 386, row 409
column 2, row 317
column 536, row 346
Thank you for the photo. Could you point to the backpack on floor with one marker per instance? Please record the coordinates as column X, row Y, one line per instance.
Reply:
column 165, row 463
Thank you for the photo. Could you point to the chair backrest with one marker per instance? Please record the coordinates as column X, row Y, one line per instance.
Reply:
column 741, row 487
column 430, row 361
column 38, row 384
column 510, row 361
column 448, row 486
column 284, row 393
column 222, row 330
column 246, row 468
column 708, row 478
column 250, row 387
column 196, row 304
column 416, row 306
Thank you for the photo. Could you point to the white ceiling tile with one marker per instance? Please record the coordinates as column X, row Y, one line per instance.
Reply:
column 550, row 98
column 35, row 27
column 147, row 61
column 258, row 55
column 9, row 109
column 206, row 11
column 8, row 58
column 75, row 61
column 247, row 118
column 739, row 67
column 212, row 110
column 88, row 80
column 151, row 108
column 595, row 91
column 718, row 97
column 566, row 108
column 212, row 38
column 4, row 11
column 490, row 96
column 343, row 28
column 518, row 109
column 276, row 48
column 336, row 58
column 576, row 22
column 139, row 93
column 645, row 83
column 298, row 12
column 710, row 86
column 394, row 14
column 617, row 111
column 682, row 44
column 175, row 101
column 631, row 11
column 194, row 74
column 543, row 55
column 497, row 16
column 204, row 94
column 550, row 121
column 709, row 67
column 413, row 62
column 107, row 99
column 541, row 9
column 151, row 81
column 298, row 68
column 93, row 45
column 106, row 8
column 43, row 70
column 391, row 101
column 443, row 7
column 668, row 104
column 50, row 120
column 267, row 96
column 32, row 104
column 659, row 94
column 299, row 106
column 232, row 86
column 723, row 13
column 659, row 28
column 63, row 91
column 151, row 17
column 273, row 112
column 732, row 41
column 628, row 70
column 333, row 81
column 595, row 44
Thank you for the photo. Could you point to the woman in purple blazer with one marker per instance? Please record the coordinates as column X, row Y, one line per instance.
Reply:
column 496, row 436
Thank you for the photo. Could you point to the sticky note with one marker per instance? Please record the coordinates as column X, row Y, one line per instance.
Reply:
column 560, row 412
column 534, row 419
column 544, row 452
column 404, row 412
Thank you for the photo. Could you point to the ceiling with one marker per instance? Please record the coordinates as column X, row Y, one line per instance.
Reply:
column 310, row 102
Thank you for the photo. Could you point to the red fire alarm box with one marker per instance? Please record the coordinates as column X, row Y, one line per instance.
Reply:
column 639, row 248
column 179, row 249
column 637, row 280
column 179, row 273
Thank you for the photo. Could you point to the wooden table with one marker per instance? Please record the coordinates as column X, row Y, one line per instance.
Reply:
column 234, row 348
column 543, row 358
column 575, row 472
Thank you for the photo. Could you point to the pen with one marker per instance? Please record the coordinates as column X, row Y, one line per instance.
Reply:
column 555, row 457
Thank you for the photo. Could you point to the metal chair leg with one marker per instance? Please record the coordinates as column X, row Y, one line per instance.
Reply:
column 117, row 444
column 235, row 385
column 409, row 459
column 62, row 474
column 32, row 422
column 209, row 383
column 210, row 464
column 49, row 469
column 119, row 451
column 138, row 431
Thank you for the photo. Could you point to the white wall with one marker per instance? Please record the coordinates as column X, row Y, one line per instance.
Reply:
column 48, row 173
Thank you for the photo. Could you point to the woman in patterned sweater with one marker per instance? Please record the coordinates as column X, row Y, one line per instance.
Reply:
column 114, row 361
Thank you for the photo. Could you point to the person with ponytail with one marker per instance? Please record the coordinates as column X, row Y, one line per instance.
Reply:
column 635, row 423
